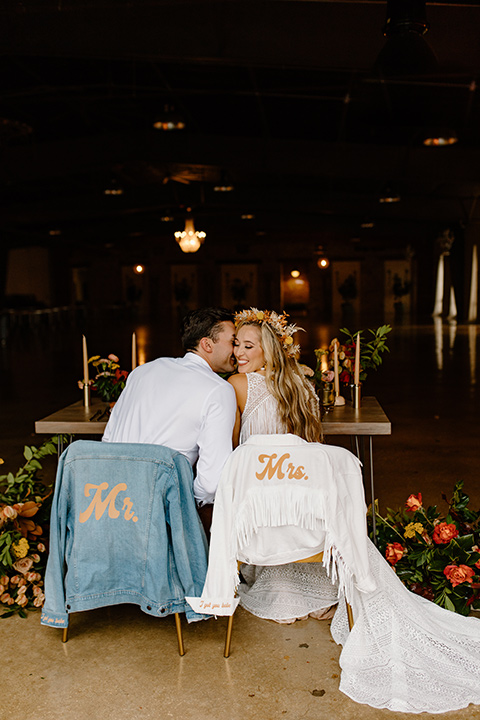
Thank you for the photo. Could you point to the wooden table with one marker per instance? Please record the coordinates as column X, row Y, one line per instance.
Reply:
column 75, row 419
column 367, row 421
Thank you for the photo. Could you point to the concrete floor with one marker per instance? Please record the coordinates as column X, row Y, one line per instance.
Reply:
column 120, row 663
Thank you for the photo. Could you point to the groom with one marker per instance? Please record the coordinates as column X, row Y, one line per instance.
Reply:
column 183, row 404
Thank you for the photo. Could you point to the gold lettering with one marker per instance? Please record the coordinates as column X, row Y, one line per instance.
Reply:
column 127, row 506
column 100, row 505
column 271, row 467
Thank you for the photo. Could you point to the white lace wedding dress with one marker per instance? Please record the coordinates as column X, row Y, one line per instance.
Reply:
column 404, row 653
column 283, row 593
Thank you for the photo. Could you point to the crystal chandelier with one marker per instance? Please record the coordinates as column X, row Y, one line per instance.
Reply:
column 190, row 239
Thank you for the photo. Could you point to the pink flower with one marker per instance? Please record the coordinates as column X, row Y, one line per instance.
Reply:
column 31, row 576
column 5, row 597
column 458, row 574
column 414, row 502
column 15, row 579
column 22, row 600
column 39, row 600
column 9, row 512
column 2, row 589
column 21, row 590
column 444, row 532
column 37, row 590
column 41, row 547
column 23, row 565
column 394, row 552
column 4, row 580
column 35, row 557
column 113, row 358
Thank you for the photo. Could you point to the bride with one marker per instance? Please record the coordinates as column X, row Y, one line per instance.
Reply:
column 404, row 653
column 274, row 397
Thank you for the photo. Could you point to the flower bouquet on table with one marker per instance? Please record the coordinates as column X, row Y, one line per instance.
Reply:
column 110, row 379
column 373, row 343
column 25, row 503
column 435, row 555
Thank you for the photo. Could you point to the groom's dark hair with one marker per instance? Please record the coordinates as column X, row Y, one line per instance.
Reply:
column 205, row 322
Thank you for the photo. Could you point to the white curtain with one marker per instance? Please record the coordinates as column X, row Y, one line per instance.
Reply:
column 438, row 308
column 472, row 307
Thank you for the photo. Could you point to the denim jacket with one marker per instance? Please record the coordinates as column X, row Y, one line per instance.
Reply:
column 124, row 529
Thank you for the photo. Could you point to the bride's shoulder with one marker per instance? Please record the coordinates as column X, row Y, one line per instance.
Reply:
column 239, row 380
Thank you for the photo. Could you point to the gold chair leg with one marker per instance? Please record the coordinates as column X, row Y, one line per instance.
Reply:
column 349, row 615
column 178, row 625
column 228, row 637
column 65, row 635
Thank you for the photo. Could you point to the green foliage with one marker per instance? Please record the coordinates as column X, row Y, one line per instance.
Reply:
column 373, row 343
column 25, row 502
column 443, row 571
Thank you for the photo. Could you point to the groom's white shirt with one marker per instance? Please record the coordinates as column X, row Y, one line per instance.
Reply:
column 182, row 404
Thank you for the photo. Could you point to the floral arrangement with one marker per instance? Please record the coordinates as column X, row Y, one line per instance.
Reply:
column 435, row 555
column 25, row 503
column 109, row 380
column 373, row 343
column 277, row 322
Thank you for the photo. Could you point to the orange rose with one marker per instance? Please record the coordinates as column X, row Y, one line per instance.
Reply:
column 444, row 532
column 458, row 574
column 414, row 502
column 394, row 552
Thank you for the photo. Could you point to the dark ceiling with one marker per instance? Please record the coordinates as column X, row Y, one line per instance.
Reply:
column 286, row 100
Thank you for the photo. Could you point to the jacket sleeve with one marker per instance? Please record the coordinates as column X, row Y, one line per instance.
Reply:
column 189, row 543
column 54, row 613
column 218, row 596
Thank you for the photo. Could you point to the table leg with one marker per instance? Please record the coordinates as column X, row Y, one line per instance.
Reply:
column 372, row 491
column 358, row 449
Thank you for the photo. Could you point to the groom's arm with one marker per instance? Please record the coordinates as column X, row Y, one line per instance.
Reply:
column 214, row 442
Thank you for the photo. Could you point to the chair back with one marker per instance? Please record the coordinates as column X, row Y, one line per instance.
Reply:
column 124, row 529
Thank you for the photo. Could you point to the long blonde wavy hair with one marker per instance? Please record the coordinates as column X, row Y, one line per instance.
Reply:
column 297, row 402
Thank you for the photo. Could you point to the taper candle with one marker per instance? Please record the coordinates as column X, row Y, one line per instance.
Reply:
column 134, row 351
column 357, row 360
column 85, row 361
column 336, row 379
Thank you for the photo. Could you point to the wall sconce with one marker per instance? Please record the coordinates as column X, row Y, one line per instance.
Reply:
column 190, row 239
column 295, row 273
column 322, row 261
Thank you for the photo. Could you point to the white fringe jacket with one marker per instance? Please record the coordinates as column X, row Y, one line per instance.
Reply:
column 281, row 499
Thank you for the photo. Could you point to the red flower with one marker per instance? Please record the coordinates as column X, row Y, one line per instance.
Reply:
column 120, row 375
column 394, row 552
column 414, row 502
column 444, row 532
column 458, row 574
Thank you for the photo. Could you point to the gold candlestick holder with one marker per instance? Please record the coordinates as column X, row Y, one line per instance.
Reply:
column 357, row 396
column 86, row 395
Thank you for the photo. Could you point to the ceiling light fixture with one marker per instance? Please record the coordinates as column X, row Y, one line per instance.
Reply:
column 225, row 184
column 113, row 189
column 295, row 273
column 406, row 52
column 169, row 120
column 189, row 239
column 367, row 224
column 441, row 138
column 138, row 269
column 388, row 195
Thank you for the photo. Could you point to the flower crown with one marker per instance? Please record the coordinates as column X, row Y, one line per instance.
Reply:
column 278, row 323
